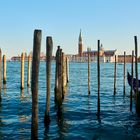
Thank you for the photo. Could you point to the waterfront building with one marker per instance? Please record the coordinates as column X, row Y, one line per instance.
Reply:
column 128, row 58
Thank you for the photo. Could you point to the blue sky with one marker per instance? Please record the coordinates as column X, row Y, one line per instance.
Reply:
column 114, row 22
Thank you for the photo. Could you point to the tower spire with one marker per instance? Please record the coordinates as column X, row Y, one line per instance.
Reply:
column 80, row 37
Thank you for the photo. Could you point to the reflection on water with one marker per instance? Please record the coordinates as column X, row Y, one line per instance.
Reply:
column 78, row 118
column 4, row 89
column 22, row 94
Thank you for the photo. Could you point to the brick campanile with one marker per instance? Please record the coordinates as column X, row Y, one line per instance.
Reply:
column 80, row 45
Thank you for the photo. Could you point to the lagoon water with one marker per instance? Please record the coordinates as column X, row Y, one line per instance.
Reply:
column 79, row 120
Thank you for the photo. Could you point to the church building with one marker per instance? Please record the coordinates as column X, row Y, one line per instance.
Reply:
column 105, row 55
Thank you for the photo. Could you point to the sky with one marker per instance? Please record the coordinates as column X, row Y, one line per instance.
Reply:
column 114, row 22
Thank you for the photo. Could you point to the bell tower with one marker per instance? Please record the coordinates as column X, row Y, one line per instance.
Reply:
column 80, row 45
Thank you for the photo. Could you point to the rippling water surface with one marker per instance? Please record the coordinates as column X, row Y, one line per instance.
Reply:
column 79, row 120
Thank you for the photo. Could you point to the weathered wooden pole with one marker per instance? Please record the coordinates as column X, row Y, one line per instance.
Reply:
column 67, row 69
column 115, row 76
column 136, row 72
column 0, row 72
column 49, row 48
column 63, row 74
column 34, row 82
column 60, row 75
column 4, row 69
column 131, row 91
column 88, row 50
column 98, row 72
column 56, row 74
column 124, row 79
column 58, row 78
column 22, row 71
column 29, row 70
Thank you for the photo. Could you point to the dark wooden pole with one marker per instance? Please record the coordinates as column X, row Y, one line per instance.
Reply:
column 88, row 71
column 56, row 74
column 136, row 72
column 115, row 76
column 4, row 69
column 131, row 91
column 124, row 80
column 49, row 48
column 34, row 83
column 29, row 70
column 0, row 72
column 22, row 71
column 98, row 71
column 67, row 69
column 63, row 74
column 58, row 78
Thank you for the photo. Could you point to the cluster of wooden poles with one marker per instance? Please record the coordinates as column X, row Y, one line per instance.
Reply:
column 124, row 77
column 22, row 70
column 61, row 79
column 137, row 95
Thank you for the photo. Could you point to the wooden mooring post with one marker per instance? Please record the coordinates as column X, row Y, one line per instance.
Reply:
column 63, row 75
column 67, row 69
column 29, row 70
column 49, row 48
column 98, row 75
column 88, row 50
column 4, row 69
column 115, row 76
column 58, row 78
column 0, row 72
column 124, row 78
column 22, row 71
column 131, row 90
column 34, row 82
column 136, row 72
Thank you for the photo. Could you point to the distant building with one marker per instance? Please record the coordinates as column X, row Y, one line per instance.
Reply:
column 16, row 58
column 128, row 58
column 82, row 56
column 105, row 55
column 42, row 56
column 80, row 45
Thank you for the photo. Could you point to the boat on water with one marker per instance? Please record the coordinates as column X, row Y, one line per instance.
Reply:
column 132, row 82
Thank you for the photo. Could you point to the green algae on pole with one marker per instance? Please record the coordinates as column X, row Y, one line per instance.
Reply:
column 34, row 82
column 49, row 48
column 4, row 69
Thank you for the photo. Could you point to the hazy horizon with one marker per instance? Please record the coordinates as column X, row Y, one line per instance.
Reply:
column 115, row 23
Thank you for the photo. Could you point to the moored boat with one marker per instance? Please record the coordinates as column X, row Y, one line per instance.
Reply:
column 132, row 82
